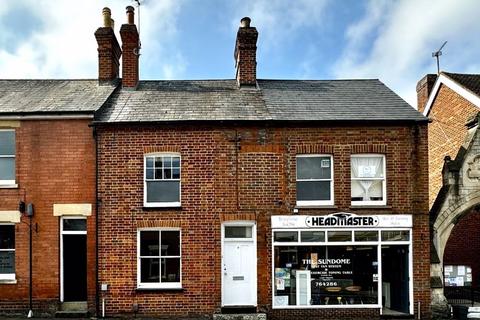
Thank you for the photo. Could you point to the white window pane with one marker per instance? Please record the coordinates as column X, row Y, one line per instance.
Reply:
column 167, row 173
column 163, row 191
column 7, row 143
column 313, row 190
column 158, row 174
column 313, row 168
column 367, row 167
column 7, row 168
column 367, row 190
column 7, row 262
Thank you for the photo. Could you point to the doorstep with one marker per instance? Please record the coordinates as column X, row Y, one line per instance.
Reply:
column 240, row 316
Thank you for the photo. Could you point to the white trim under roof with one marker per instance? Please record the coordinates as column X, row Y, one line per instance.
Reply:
column 452, row 84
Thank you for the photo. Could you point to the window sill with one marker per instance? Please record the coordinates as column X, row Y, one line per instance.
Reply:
column 160, row 289
column 8, row 186
column 327, row 206
column 8, row 281
column 164, row 208
column 370, row 206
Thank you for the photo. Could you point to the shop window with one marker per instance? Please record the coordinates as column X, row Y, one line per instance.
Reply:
column 401, row 235
column 7, row 157
column 159, row 259
column 162, row 180
column 368, row 179
column 314, row 180
column 325, row 275
column 7, row 252
column 285, row 236
column 366, row 235
column 341, row 272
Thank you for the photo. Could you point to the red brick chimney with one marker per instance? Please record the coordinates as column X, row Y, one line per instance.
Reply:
column 246, row 54
column 131, row 51
column 108, row 50
column 424, row 88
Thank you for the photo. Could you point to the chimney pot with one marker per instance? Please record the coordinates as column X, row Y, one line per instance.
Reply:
column 107, row 17
column 130, row 15
column 245, row 22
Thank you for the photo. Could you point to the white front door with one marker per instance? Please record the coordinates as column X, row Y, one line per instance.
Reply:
column 239, row 265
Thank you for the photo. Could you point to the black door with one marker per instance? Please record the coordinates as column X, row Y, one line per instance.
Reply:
column 75, row 267
column 395, row 272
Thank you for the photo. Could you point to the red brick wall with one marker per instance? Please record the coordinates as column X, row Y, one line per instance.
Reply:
column 217, row 187
column 55, row 163
column 449, row 114
column 458, row 251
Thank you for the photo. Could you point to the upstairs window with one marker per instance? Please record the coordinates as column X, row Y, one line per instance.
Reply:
column 7, row 252
column 368, row 179
column 7, row 157
column 314, row 180
column 162, row 180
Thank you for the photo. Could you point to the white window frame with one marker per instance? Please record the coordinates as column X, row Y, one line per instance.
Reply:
column 159, row 285
column 377, row 243
column 9, row 277
column 161, row 204
column 10, row 182
column 382, row 202
column 307, row 203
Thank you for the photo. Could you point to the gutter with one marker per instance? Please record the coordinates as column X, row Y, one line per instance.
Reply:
column 46, row 117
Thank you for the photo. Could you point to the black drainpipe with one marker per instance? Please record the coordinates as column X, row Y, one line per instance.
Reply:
column 97, row 298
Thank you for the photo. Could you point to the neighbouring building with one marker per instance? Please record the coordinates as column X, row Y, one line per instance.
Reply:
column 290, row 198
column 452, row 102
column 48, row 181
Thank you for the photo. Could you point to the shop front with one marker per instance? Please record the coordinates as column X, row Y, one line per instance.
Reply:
column 343, row 260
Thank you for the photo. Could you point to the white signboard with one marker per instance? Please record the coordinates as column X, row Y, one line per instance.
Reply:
column 342, row 220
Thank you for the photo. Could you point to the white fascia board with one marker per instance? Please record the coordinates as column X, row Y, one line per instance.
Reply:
column 442, row 79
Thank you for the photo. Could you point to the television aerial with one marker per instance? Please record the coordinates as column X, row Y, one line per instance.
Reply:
column 437, row 55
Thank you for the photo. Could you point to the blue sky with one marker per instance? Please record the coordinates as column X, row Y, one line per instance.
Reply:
column 298, row 39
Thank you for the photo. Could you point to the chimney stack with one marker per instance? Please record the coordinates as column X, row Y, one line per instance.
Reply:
column 131, row 51
column 246, row 54
column 424, row 88
column 108, row 50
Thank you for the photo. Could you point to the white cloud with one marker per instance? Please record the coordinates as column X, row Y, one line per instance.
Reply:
column 279, row 19
column 65, row 47
column 405, row 33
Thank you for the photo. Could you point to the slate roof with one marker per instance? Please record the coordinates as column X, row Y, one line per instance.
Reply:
column 470, row 82
column 274, row 100
column 52, row 96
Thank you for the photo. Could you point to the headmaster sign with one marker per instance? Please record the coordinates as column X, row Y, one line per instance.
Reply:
column 343, row 220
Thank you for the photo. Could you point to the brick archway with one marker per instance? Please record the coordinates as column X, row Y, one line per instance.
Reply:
column 445, row 222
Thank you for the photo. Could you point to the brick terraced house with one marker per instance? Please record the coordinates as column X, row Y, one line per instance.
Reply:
column 47, row 179
column 288, row 198
column 280, row 198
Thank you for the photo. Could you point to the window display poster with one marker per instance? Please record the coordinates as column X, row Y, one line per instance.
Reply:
column 457, row 276
column 280, row 283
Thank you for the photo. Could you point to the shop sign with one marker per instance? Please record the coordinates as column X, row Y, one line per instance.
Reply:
column 343, row 220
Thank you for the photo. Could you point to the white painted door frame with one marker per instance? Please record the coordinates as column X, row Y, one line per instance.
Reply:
column 254, row 240
column 62, row 232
